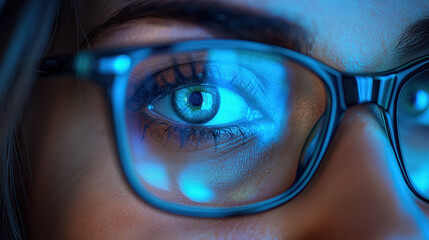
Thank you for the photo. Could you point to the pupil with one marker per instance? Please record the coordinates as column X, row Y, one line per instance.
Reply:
column 196, row 99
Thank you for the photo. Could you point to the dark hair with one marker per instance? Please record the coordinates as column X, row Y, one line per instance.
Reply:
column 26, row 27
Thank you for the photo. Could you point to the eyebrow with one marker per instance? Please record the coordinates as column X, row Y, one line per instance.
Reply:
column 414, row 39
column 221, row 19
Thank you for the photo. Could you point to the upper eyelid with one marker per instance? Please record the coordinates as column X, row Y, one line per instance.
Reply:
column 161, row 87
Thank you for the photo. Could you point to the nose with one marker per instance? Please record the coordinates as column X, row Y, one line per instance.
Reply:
column 359, row 191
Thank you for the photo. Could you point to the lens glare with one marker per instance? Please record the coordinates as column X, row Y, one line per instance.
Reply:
column 221, row 127
column 413, row 130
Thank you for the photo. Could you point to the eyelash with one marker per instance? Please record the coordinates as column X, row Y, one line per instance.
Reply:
column 150, row 89
column 196, row 135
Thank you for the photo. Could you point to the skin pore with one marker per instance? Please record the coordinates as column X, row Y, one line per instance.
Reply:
column 358, row 192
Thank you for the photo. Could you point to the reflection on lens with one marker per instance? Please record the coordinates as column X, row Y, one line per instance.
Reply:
column 221, row 127
column 413, row 130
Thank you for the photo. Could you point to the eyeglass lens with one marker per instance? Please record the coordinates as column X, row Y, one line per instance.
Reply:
column 413, row 130
column 222, row 127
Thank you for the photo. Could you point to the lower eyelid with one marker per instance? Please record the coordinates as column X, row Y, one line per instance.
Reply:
column 186, row 138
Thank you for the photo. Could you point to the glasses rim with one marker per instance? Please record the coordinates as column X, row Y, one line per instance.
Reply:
column 340, row 86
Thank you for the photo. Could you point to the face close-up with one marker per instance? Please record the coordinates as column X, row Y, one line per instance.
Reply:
column 82, row 189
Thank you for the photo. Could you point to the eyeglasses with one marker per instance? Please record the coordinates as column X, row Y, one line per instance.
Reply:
column 216, row 128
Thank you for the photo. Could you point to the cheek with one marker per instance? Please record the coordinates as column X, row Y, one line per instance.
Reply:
column 102, row 205
column 424, row 207
column 78, row 190
column 77, row 186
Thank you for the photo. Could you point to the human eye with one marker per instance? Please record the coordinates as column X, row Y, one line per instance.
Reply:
column 210, row 127
column 414, row 103
column 199, row 101
column 204, row 104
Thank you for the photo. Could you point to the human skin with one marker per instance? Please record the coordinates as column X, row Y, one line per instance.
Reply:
column 358, row 192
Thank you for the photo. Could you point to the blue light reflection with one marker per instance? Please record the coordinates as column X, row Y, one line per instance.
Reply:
column 420, row 179
column 267, row 78
column 422, row 100
column 154, row 174
column 194, row 186
column 115, row 65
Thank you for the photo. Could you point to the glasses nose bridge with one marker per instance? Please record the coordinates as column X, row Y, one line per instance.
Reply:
column 360, row 89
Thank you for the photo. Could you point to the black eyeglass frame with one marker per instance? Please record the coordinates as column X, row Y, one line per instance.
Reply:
column 344, row 90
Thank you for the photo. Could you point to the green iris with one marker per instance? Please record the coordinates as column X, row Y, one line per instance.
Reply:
column 196, row 104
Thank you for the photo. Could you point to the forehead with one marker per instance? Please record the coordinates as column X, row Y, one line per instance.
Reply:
column 354, row 36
